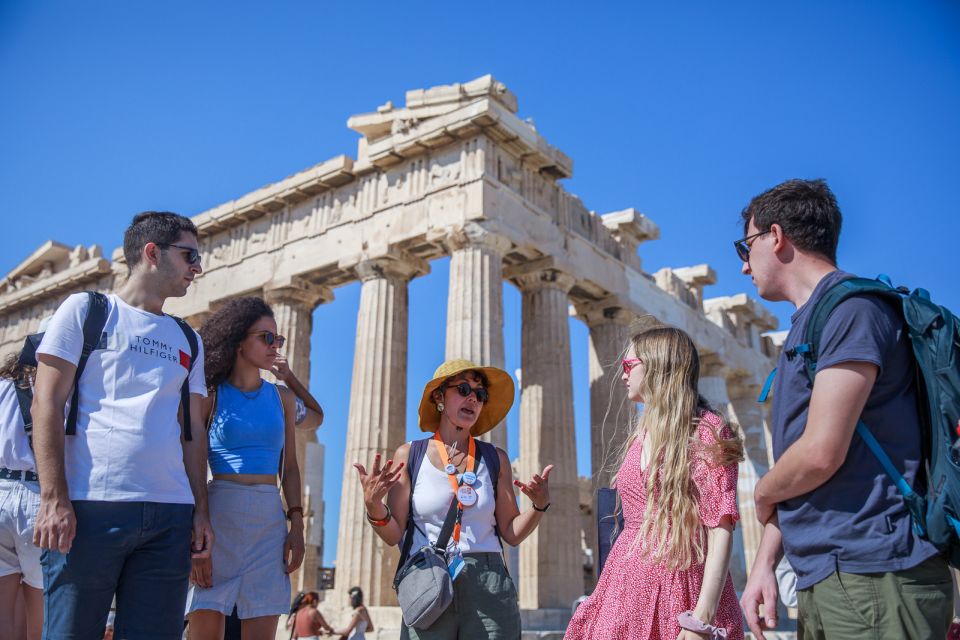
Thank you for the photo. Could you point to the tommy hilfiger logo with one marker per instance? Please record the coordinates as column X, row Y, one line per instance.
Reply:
column 159, row 349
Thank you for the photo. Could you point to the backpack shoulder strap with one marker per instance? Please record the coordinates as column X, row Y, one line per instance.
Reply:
column 839, row 292
column 418, row 449
column 93, row 326
column 25, row 399
column 185, row 387
column 490, row 457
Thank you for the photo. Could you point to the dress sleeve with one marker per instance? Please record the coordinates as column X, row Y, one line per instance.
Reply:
column 717, row 485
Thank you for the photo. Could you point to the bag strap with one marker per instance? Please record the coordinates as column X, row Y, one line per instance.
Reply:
column 283, row 412
column 454, row 513
column 491, row 458
column 185, row 387
column 93, row 326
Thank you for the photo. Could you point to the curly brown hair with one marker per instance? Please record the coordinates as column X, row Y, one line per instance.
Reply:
column 12, row 369
column 223, row 333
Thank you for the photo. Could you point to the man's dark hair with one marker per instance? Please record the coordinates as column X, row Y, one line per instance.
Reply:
column 806, row 210
column 158, row 227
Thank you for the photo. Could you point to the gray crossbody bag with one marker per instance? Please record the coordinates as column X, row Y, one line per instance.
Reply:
column 423, row 583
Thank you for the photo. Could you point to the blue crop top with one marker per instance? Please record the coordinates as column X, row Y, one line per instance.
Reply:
column 247, row 430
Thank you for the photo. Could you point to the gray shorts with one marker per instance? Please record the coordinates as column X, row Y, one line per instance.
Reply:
column 249, row 528
column 19, row 501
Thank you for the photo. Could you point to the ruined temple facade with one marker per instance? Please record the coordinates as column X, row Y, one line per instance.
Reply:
column 454, row 172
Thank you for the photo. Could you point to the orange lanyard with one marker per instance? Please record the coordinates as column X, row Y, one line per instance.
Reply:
column 452, row 477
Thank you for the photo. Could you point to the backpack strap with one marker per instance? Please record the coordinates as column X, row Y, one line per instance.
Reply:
column 25, row 399
column 418, row 449
column 185, row 387
column 93, row 326
column 490, row 457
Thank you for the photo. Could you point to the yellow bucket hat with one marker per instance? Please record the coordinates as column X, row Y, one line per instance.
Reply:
column 499, row 384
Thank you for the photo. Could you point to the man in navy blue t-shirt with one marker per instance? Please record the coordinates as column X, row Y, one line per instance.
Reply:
column 827, row 502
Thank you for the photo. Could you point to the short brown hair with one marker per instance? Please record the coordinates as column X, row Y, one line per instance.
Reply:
column 806, row 210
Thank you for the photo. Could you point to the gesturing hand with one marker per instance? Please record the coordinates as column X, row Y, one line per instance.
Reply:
column 537, row 489
column 378, row 482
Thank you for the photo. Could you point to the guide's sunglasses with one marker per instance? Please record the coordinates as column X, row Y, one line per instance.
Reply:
column 269, row 337
column 743, row 248
column 629, row 364
column 464, row 389
column 192, row 256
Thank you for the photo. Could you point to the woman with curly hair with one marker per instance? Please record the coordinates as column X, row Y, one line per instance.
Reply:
column 250, row 425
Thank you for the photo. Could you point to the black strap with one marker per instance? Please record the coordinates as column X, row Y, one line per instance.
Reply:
column 92, row 330
column 185, row 387
column 418, row 448
column 25, row 399
column 454, row 515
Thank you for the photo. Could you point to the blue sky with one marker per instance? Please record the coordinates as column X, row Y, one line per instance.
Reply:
column 682, row 112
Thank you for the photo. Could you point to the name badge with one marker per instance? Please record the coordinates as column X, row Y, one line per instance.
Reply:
column 467, row 496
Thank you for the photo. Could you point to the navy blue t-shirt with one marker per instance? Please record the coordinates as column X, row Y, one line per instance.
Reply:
column 857, row 521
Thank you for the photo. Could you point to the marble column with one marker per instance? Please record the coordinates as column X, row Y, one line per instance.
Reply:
column 551, row 564
column 293, row 303
column 376, row 423
column 475, row 303
column 611, row 412
column 713, row 387
column 748, row 413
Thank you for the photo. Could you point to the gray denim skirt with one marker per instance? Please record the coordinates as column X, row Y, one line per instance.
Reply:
column 249, row 528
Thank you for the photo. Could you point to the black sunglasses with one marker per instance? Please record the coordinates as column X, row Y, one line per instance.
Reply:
column 743, row 249
column 464, row 389
column 269, row 337
column 192, row 256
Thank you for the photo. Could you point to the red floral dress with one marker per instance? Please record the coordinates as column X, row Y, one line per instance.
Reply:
column 637, row 600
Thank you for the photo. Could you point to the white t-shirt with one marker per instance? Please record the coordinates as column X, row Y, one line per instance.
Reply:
column 127, row 446
column 15, row 453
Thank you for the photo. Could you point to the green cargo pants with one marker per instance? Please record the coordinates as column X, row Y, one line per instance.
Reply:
column 915, row 603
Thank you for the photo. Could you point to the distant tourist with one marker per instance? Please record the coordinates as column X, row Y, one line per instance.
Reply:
column 462, row 401
column 21, row 579
column 667, row 576
column 251, row 440
column 861, row 570
column 360, row 621
column 123, row 491
column 304, row 620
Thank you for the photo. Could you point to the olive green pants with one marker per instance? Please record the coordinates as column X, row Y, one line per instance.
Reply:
column 913, row 603
column 484, row 604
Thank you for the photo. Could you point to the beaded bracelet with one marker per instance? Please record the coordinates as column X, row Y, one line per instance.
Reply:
column 382, row 522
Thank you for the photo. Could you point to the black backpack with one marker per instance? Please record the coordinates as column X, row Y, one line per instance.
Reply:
column 935, row 337
column 93, row 326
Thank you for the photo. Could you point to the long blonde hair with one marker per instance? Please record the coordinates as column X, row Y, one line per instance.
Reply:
column 671, row 532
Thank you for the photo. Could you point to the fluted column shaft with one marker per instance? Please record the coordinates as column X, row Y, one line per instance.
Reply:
column 293, row 306
column 475, row 303
column 376, row 424
column 551, row 569
column 713, row 387
column 749, row 415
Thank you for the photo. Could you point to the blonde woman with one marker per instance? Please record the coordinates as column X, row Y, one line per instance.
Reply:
column 667, row 575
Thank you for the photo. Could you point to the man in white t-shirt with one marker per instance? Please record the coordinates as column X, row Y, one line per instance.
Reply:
column 121, row 499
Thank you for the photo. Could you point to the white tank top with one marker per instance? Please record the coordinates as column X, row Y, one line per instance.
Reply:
column 431, row 500
column 360, row 631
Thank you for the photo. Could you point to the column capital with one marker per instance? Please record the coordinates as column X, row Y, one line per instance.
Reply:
column 540, row 274
column 394, row 265
column 607, row 310
column 711, row 366
column 472, row 234
column 296, row 290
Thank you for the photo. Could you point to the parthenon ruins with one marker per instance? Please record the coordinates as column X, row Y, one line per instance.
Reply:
column 454, row 172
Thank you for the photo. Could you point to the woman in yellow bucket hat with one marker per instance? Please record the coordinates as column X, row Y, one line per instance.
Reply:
column 462, row 401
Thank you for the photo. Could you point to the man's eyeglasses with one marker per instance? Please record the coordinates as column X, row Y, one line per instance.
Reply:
column 269, row 338
column 629, row 364
column 464, row 389
column 743, row 245
column 192, row 256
